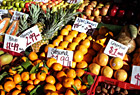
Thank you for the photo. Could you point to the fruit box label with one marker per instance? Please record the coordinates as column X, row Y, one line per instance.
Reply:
column 17, row 15
column 83, row 25
column 115, row 49
column 63, row 57
column 32, row 35
column 135, row 76
column 73, row 1
column 44, row 1
column 14, row 43
column 3, row 14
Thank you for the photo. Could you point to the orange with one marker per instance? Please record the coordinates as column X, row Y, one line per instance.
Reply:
column 1, row 87
column 30, row 82
column 33, row 56
column 50, row 79
column 103, row 30
column 80, row 72
column 25, row 76
column 69, row 49
column 82, row 35
column 38, row 61
column 12, row 72
column 46, row 47
column 60, row 47
column 116, row 63
column 51, row 93
column 32, row 76
column 17, row 78
column 78, row 56
column 49, row 87
column 91, row 52
column 44, row 69
column 81, row 65
column 9, row 79
column 57, row 67
column 94, row 68
column 64, row 32
column 107, row 71
column 96, row 46
column 59, row 87
column 120, row 75
column 73, row 64
column 72, row 45
column 71, row 73
column 50, row 61
column 36, row 81
column 16, row 92
column 77, row 39
column 29, row 88
column 68, row 27
column 69, row 92
column 2, row 92
column 87, row 58
column 56, row 42
column 68, row 38
column 19, row 87
column 102, row 59
column 60, row 37
column 64, row 44
column 83, row 49
column 9, row 85
column 23, row 59
column 73, row 33
column 68, row 82
column 86, row 43
column 42, row 56
column 41, row 76
column 83, row 89
column 22, row 94
column 77, row 83
column 61, row 75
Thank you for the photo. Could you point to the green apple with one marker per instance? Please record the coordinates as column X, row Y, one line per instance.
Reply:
column 27, row 1
column 13, row 4
column 9, row 3
column 17, row 4
column 19, row 9
column 4, row 3
column 2, row 7
column 22, row 4
column 14, row 8
column 9, row 7
column 5, row 7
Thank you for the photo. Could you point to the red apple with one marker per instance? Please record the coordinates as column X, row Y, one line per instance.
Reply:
column 96, row 12
column 120, row 13
column 113, row 12
column 44, row 7
column 23, row 10
column 27, row 5
column 88, row 12
column 104, row 11
column 115, row 7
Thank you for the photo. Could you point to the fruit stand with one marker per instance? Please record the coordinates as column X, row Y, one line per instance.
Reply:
column 73, row 47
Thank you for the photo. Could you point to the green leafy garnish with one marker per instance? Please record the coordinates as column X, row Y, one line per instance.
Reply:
column 3, row 75
column 90, row 79
column 33, row 92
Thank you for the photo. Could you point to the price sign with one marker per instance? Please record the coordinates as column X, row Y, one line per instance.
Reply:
column 115, row 49
column 32, row 35
column 14, row 43
column 44, row 1
column 63, row 57
column 135, row 76
column 3, row 13
column 83, row 25
column 73, row 1
column 17, row 14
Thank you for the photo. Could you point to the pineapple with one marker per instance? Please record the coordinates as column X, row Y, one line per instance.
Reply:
column 48, row 23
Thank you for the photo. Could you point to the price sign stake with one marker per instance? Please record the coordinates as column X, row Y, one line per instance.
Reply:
column 14, row 43
column 83, row 25
column 32, row 35
column 115, row 49
column 63, row 57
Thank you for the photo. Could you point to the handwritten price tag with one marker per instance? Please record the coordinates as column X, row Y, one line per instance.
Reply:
column 17, row 15
column 83, row 25
column 32, row 35
column 115, row 49
column 74, row 1
column 135, row 76
column 14, row 43
column 63, row 57
column 44, row 1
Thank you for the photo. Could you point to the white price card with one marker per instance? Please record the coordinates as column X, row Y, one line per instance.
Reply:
column 115, row 49
column 135, row 76
column 44, row 1
column 17, row 15
column 63, row 57
column 84, row 25
column 14, row 43
column 32, row 35
column 73, row 1
column 3, row 12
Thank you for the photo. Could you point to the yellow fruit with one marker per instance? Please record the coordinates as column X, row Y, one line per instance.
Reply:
column 68, row 38
column 60, row 47
column 82, row 35
column 81, row 65
column 120, row 75
column 107, row 71
column 68, row 82
column 50, row 61
column 71, row 73
column 77, row 39
column 86, row 43
column 94, row 68
column 72, row 45
column 116, row 63
column 78, row 56
column 102, row 59
column 73, row 33
column 60, row 37
column 49, row 87
column 83, row 49
column 64, row 44
column 64, row 32
column 56, row 42
column 68, row 27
